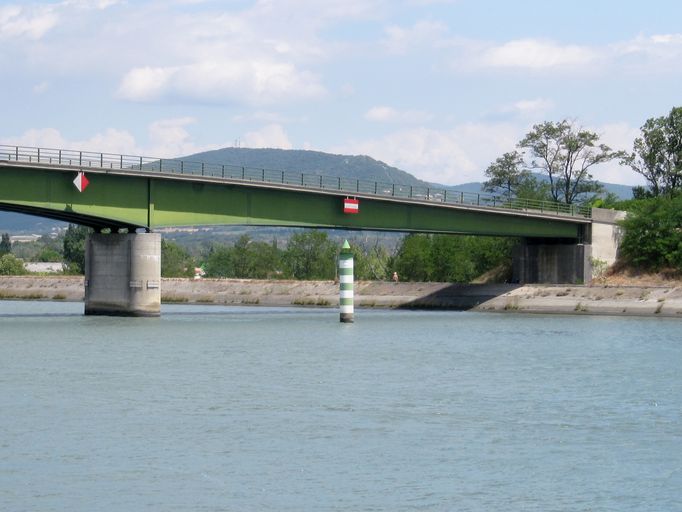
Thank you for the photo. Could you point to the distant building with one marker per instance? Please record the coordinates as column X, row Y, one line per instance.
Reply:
column 20, row 239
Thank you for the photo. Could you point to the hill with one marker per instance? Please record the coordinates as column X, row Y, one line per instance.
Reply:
column 310, row 162
column 19, row 224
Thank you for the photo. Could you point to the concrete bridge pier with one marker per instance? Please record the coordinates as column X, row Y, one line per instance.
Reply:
column 123, row 274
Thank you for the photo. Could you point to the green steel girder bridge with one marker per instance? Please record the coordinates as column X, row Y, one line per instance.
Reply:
column 140, row 193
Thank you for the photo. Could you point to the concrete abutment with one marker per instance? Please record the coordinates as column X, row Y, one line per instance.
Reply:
column 123, row 274
column 567, row 261
column 552, row 263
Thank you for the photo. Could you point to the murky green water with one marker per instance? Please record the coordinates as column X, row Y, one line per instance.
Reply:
column 257, row 409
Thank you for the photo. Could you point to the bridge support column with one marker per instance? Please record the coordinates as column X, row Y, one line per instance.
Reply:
column 123, row 274
column 552, row 263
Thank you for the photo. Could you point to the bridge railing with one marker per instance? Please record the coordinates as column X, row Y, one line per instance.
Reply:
column 350, row 186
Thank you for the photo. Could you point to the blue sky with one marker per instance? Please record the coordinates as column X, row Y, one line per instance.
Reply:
column 439, row 88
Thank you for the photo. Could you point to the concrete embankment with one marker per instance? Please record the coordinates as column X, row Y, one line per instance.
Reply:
column 565, row 299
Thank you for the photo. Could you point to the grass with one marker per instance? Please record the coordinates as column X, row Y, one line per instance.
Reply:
column 27, row 296
column 311, row 302
column 172, row 299
column 580, row 308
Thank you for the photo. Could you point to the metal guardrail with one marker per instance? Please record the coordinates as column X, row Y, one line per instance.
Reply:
column 128, row 163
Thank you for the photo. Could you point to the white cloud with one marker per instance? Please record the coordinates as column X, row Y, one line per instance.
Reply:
column 270, row 136
column 537, row 54
column 383, row 114
column 111, row 141
column 453, row 156
column 619, row 137
column 41, row 88
column 423, row 33
column 660, row 52
column 168, row 138
column 145, row 84
column 314, row 11
column 259, row 116
column 19, row 22
column 254, row 82
column 529, row 108
column 91, row 4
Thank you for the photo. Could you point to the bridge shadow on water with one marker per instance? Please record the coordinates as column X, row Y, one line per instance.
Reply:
column 460, row 297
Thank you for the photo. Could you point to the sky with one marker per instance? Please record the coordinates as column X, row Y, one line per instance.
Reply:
column 439, row 88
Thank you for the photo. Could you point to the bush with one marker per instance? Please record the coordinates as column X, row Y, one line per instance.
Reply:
column 10, row 265
column 175, row 260
column 653, row 234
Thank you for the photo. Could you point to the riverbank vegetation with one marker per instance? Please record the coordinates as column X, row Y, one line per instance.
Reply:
column 305, row 255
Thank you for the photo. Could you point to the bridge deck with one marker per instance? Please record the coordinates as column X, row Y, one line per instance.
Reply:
column 60, row 159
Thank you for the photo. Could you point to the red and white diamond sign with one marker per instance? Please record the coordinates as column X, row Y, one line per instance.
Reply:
column 81, row 181
column 351, row 205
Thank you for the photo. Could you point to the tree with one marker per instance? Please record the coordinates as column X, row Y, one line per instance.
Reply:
column 533, row 189
column 74, row 248
column 219, row 261
column 607, row 200
column 413, row 258
column 254, row 260
column 175, row 260
column 10, row 265
column 48, row 254
column 566, row 153
column 247, row 259
column 371, row 261
column 266, row 260
column 5, row 244
column 451, row 258
column 657, row 154
column 652, row 238
column 311, row 255
column 506, row 174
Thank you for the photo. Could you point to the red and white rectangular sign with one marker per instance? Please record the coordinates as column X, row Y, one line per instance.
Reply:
column 351, row 205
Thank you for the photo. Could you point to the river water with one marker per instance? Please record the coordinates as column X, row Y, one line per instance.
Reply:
column 259, row 409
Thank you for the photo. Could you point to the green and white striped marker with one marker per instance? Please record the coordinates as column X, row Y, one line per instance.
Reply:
column 346, row 283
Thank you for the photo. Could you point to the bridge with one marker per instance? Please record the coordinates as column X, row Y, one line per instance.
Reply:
column 128, row 197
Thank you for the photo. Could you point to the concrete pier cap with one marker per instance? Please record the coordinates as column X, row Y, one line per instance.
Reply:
column 123, row 274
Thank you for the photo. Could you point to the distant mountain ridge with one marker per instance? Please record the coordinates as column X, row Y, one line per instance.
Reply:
column 623, row 192
column 309, row 162
column 305, row 161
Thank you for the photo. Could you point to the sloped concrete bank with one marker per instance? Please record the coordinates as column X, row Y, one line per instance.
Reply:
column 607, row 300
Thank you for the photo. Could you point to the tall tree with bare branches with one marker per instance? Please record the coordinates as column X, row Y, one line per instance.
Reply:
column 566, row 153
